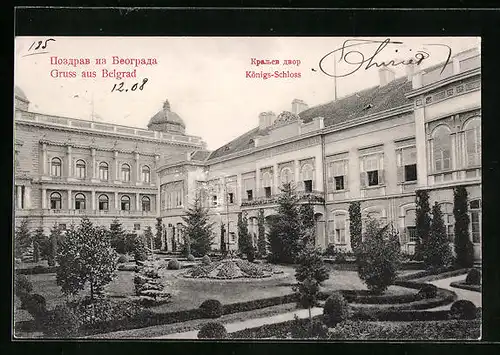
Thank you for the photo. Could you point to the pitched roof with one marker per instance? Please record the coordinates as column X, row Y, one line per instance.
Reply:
column 359, row 104
column 19, row 93
column 200, row 155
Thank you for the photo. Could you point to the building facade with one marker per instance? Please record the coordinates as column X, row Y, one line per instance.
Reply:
column 376, row 146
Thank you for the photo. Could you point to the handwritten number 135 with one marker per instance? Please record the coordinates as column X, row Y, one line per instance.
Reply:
column 40, row 44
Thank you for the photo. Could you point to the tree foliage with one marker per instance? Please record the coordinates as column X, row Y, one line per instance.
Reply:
column 222, row 238
column 158, row 233
column 118, row 237
column 464, row 249
column 286, row 232
column 198, row 229
column 149, row 238
column 244, row 238
column 355, row 224
column 22, row 239
column 437, row 251
column 378, row 256
column 261, row 237
column 308, row 223
column 40, row 244
column 85, row 257
column 422, row 223
column 55, row 239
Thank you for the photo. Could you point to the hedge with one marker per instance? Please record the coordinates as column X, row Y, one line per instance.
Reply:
column 39, row 269
column 279, row 330
column 466, row 286
column 364, row 297
column 438, row 274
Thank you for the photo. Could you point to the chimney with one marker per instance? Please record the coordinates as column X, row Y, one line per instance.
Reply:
column 386, row 75
column 298, row 106
column 410, row 68
column 266, row 119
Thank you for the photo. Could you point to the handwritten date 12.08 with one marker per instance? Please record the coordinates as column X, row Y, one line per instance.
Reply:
column 119, row 87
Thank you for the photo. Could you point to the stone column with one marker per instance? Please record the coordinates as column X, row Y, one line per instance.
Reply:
column 94, row 167
column 239, row 189
column 70, row 202
column 137, row 202
column 27, row 192
column 44, row 198
column 296, row 166
column 420, row 140
column 69, row 162
column 137, row 169
column 257, row 182
column 318, row 165
column 44, row 159
column 116, row 201
column 276, row 180
column 19, row 196
column 92, row 202
column 117, row 171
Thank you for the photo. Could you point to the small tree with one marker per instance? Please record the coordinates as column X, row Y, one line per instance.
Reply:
column 261, row 237
column 422, row 223
column 118, row 237
column 22, row 239
column 222, row 238
column 244, row 238
column 355, row 224
column 149, row 238
column 464, row 249
column 55, row 240
column 158, row 234
column 85, row 256
column 198, row 229
column 437, row 252
column 40, row 243
column 138, row 247
column 378, row 256
column 308, row 223
column 310, row 273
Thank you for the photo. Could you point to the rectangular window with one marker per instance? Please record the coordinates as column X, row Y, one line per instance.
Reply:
column 249, row 195
column 214, row 200
column 103, row 174
column 411, row 233
column 339, row 182
column 137, row 226
column 267, row 191
column 79, row 205
column 411, row 172
column 230, row 197
column 372, row 178
column 103, row 205
column 308, row 185
column 476, row 226
column 232, row 235
column 340, row 229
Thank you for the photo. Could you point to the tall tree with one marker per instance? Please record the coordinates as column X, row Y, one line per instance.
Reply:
column 40, row 242
column 118, row 237
column 85, row 257
column 244, row 242
column 286, row 231
column 22, row 239
column 149, row 239
column 222, row 238
column 261, row 238
column 355, row 226
column 437, row 252
column 308, row 223
column 159, row 233
column 56, row 239
column 310, row 273
column 464, row 249
column 198, row 229
column 422, row 223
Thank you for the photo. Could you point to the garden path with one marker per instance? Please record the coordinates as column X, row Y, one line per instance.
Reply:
column 250, row 323
column 474, row 297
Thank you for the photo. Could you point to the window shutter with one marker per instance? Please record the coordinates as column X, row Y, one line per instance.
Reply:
column 401, row 174
column 381, row 177
column 362, row 179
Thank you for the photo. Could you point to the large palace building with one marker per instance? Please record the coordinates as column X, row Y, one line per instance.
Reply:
column 377, row 146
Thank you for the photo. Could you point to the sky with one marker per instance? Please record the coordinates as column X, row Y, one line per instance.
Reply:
column 205, row 78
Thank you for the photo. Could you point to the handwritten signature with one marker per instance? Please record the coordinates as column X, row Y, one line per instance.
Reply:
column 351, row 54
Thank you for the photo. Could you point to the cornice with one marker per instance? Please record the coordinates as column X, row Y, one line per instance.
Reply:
column 446, row 81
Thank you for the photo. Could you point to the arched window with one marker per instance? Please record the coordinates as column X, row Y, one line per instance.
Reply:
column 475, row 220
column 125, row 203
column 442, row 149
column 103, row 171
column 79, row 202
column 267, row 181
column 307, row 177
column 103, row 203
column 473, row 142
column 55, row 201
column 340, row 228
column 146, row 204
column 286, row 176
column 125, row 172
column 80, row 169
column 449, row 219
column 55, row 167
column 146, row 174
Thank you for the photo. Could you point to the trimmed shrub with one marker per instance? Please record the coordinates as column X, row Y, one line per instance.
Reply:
column 36, row 305
column 173, row 264
column 427, row 291
column 212, row 330
column 61, row 322
column 463, row 309
column 122, row 259
column 206, row 260
column 123, row 267
column 473, row 277
column 151, row 273
column 251, row 253
column 190, row 257
column 22, row 286
column 330, row 250
column 303, row 329
column 335, row 310
column 211, row 308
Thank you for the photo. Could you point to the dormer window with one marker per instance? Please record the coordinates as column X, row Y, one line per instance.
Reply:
column 367, row 107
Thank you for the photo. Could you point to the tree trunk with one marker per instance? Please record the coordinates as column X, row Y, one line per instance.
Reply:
column 310, row 322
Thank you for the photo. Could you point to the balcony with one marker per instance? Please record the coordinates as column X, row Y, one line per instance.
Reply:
column 315, row 197
column 94, row 213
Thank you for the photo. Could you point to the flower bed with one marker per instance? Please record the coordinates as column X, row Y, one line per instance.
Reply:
column 230, row 269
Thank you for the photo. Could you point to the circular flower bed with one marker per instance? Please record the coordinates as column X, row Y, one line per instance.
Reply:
column 229, row 269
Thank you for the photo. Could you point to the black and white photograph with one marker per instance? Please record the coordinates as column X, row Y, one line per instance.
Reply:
column 238, row 187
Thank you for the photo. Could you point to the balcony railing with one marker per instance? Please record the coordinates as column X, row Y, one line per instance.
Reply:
column 311, row 197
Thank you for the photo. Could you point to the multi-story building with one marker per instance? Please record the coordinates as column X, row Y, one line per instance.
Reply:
column 377, row 146
column 66, row 168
